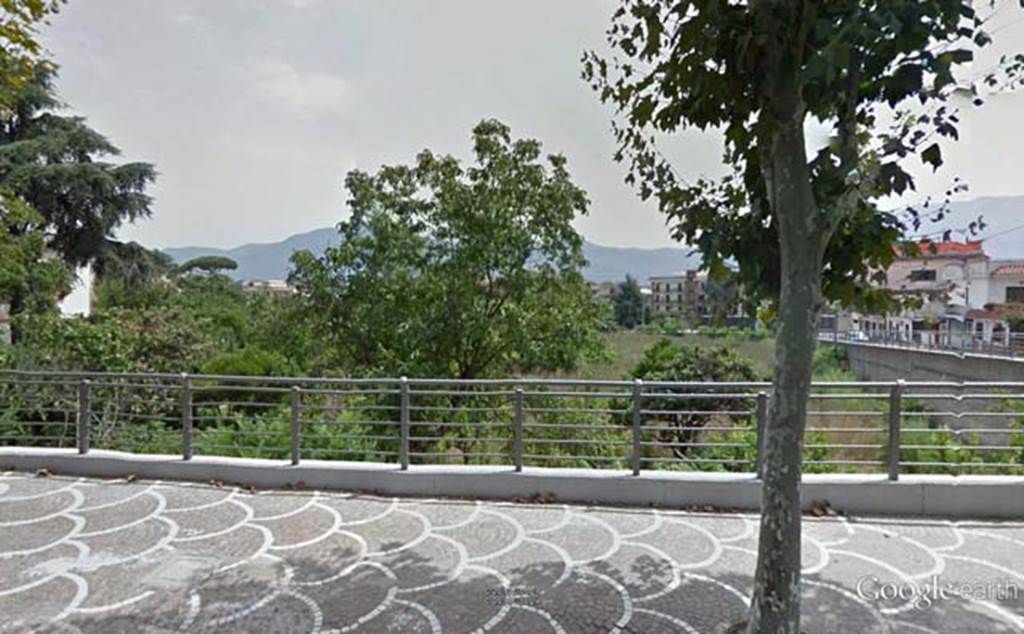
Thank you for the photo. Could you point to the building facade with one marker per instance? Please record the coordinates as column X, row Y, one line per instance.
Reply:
column 963, row 296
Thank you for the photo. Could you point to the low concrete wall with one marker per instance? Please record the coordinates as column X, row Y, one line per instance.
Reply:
column 886, row 363
column 875, row 362
column 947, row 496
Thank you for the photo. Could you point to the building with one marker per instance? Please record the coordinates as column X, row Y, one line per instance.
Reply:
column 275, row 287
column 1006, row 282
column 691, row 296
column 965, row 297
column 605, row 291
column 678, row 295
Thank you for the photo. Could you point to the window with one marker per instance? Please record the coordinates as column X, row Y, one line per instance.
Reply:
column 922, row 275
column 1015, row 294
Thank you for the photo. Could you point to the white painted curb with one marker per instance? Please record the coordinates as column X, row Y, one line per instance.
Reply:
column 933, row 495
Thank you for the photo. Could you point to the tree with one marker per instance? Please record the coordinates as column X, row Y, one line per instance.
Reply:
column 208, row 264
column 802, row 229
column 56, row 165
column 453, row 271
column 680, row 417
column 20, row 52
column 721, row 297
column 128, row 274
column 629, row 304
column 25, row 271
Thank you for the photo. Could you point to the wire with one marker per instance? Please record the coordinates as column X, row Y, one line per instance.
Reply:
column 1003, row 232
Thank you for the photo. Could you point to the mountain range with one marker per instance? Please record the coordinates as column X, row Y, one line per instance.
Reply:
column 270, row 261
column 1003, row 238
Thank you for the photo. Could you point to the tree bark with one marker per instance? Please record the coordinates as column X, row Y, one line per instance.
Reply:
column 775, row 606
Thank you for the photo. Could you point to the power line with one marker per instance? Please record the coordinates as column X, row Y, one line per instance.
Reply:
column 1003, row 232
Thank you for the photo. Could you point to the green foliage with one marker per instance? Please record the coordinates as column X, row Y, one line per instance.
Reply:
column 830, row 364
column 128, row 274
column 20, row 51
column 208, row 264
column 681, row 415
column 25, row 271
column 58, row 165
column 453, row 271
column 150, row 340
column 727, row 65
column 629, row 304
column 248, row 362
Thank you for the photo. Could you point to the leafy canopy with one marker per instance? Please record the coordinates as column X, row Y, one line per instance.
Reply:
column 629, row 305
column 20, row 51
column 24, row 268
column 448, row 270
column 717, row 64
column 59, row 166
column 208, row 264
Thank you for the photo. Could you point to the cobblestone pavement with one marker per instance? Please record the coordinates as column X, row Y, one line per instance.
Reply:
column 81, row 555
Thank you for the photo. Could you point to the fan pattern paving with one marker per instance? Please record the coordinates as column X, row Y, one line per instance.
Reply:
column 88, row 555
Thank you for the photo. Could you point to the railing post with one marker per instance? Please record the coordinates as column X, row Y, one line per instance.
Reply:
column 403, row 447
column 84, row 415
column 186, row 417
column 296, row 413
column 762, row 424
column 895, row 414
column 517, row 430
column 638, row 388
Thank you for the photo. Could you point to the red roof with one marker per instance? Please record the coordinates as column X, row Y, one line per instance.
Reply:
column 928, row 247
column 1010, row 270
column 994, row 311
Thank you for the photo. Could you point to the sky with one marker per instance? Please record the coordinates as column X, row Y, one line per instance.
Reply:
column 254, row 110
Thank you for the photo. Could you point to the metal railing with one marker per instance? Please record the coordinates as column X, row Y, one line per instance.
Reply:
column 999, row 345
column 860, row 427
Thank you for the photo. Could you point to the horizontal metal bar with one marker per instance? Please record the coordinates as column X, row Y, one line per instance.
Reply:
column 458, row 439
column 671, row 428
column 587, row 426
column 843, row 446
column 727, row 461
column 846, row 430
column 698, row 445
column 386, row 423
column 569, row 458
column 481, row 425
column 572, row 410
column 345, row 437
column 459, row 408
column 368, row 452
column 572, row 441
column 417, row 454
column 576, row 394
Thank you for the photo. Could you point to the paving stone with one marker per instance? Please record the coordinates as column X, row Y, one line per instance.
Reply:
column 89, row 555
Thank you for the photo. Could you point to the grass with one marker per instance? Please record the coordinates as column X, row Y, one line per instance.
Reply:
column 627, row 347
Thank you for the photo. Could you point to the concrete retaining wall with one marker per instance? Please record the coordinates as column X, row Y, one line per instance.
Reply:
column 947, row 496
column 885, row 363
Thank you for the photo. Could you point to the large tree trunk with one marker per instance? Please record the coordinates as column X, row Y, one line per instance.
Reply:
column 775, row 606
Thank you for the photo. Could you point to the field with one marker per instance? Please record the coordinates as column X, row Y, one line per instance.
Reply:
column 627, row 347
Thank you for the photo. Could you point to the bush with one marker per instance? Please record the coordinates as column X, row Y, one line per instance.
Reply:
column 680, row 421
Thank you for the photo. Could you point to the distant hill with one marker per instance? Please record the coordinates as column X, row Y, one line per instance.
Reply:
column 1003, row 216
column 271, row 260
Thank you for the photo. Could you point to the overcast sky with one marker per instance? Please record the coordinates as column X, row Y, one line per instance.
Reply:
column 253, row 110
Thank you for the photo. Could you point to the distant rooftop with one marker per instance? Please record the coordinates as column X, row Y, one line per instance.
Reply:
column 929, row 248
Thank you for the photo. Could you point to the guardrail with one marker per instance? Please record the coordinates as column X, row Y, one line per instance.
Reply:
column 999, row 345
column 854, row 427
